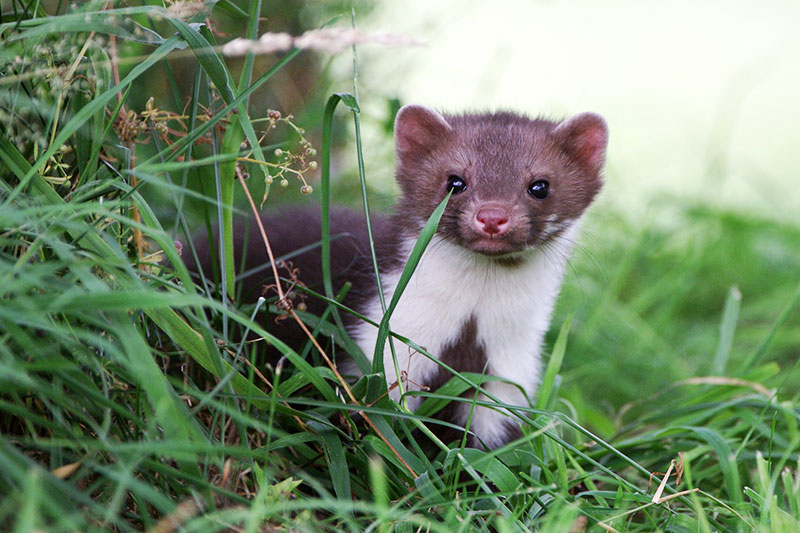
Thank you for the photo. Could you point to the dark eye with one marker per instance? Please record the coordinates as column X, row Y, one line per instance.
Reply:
column 539, row 189
column 456, row 183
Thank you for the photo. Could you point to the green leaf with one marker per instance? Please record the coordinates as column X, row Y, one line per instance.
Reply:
column 727, row 462
column 421, row 243
column 209, row 59
column 544, row 400
column 111, row 22
column 727, row 328
column 325, row 201
column 337, row 464
column 349, row 101
column 492, row 469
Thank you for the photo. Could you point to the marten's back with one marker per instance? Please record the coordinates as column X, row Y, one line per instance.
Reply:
column 295, row 235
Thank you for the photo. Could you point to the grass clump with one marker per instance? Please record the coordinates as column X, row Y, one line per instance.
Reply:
column 127, row 404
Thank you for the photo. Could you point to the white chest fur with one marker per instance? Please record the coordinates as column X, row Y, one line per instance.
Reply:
column 511, row 306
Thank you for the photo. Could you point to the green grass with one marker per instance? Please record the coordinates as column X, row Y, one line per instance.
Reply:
column 125, row 401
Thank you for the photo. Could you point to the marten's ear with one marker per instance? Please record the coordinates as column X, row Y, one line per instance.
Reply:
column 585, row 137
column 417, row 129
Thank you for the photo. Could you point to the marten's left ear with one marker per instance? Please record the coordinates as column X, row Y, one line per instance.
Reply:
column 585, row 137
column 417, row 129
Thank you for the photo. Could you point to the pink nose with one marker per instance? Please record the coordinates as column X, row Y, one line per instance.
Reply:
column 492, row 220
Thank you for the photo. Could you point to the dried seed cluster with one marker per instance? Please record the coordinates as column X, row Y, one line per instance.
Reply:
column 133, row 126
column 54, row 75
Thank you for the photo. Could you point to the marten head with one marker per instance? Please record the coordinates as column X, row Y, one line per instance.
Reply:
column 517, row 182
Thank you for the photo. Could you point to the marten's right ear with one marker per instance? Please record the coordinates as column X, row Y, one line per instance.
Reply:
column 417, row 129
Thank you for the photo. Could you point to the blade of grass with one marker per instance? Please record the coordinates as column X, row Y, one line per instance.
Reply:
column 111, row 22
column 779, row 322
column 325, row 201
column 427, row 233
column 545, row 401
column 337, row 465
column 727, row 328
column 729, row 467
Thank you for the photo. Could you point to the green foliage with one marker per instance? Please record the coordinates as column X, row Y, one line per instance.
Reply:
column 126, row 403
